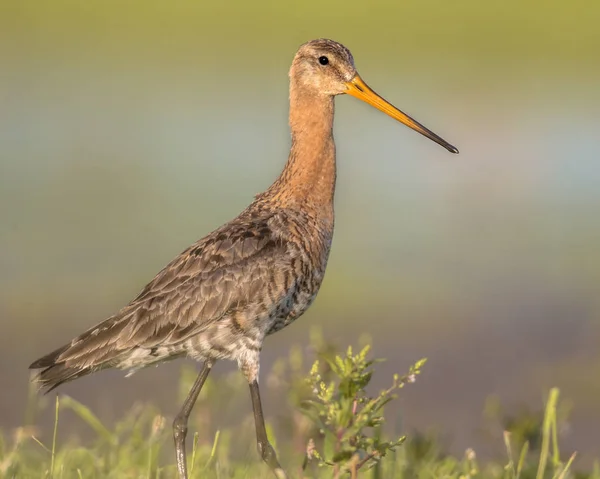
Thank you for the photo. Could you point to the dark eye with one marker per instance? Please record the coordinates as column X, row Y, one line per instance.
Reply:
column 323, row 60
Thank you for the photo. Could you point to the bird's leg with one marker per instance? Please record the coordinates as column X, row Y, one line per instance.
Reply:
column 265, row 449
column 181, row 420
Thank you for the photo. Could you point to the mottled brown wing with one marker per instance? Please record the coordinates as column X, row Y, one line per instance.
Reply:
column 225, row 270
column 222, row 272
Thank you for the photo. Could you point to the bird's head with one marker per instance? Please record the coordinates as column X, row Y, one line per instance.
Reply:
column 324, row 67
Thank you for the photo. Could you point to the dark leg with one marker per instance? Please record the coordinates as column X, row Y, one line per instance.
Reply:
column 265, row 449
column 181, row 420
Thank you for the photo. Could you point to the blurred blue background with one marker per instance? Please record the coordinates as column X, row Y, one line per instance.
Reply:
column 130, row 129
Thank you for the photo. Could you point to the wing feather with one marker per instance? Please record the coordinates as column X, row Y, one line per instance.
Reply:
column 219, row 273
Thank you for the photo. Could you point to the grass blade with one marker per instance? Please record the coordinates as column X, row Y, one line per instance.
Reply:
column 213, row 451
column 563, row 474
column 194, row 452
column 522, row 458
column 549, row 420
column 511, row 463
column 90, row 418
column 54, row 438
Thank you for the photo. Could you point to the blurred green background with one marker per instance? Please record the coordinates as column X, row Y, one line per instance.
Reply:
column 129, row 129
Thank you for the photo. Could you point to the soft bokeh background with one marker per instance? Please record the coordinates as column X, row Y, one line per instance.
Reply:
column 130, row 129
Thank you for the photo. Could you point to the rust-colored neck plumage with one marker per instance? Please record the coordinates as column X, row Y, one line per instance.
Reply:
column 308, row 179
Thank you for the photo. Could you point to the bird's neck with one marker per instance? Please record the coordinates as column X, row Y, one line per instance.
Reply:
column 308, row 178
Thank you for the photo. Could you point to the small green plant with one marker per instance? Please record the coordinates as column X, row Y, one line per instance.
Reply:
column 332, row 403
column 348, row 419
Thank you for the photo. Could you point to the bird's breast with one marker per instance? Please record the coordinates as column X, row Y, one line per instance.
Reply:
column 309, row 270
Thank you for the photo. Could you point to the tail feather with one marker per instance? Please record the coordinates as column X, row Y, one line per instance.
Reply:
column 85, row 354
column 55, row 372
column 49, row 359
column 53, row 376
column 112, row 343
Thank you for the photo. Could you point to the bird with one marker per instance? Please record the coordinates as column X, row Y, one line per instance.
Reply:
column 221, row 297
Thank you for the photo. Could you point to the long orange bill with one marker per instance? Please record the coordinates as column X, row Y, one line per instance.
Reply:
column 359, row 89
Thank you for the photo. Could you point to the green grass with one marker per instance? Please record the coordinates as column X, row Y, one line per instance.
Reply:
column 331, row 413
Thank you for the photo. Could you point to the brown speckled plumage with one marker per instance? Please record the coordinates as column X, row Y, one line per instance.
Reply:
column 253, row 276
column 217, row 300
